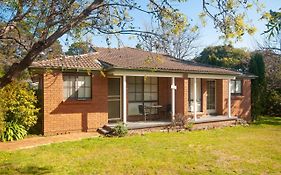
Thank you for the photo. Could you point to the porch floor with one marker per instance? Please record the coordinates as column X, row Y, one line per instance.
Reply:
column 214, row 118
column 143, row 124
column 160, row 123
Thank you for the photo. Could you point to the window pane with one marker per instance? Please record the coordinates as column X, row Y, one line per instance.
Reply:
column 131, row 96
column 154, row 88
column 133, row 108
column 147, row 88
column 131, row 80
column 87, row 92
column 232, row 86
column 88, row 81
column 154, row 96
column 154, row 80
column 139, row 88
column 146, row 80
column 139, row 80
column 238, row 86
column 81, row 92
column 131, row 88
column 147, row 96
column 139, row 96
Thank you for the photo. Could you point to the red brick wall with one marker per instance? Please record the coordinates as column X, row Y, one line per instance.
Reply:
column 241, row 105
column 68, row 116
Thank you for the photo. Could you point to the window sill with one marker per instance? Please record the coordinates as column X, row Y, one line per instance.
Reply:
column 76, row 101
column 237, row 97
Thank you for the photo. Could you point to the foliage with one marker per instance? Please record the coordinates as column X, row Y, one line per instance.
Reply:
column 272, row 63
column 258, row 90
column 47, row 21
column 53, row 51
column 1, row 118
column 19, row 104
column 230, row 16
column 274, row 22
column 189, row 125
column 273, row 103
column 120, row 130
column 79, row 48
column 13, row 131
column 225, row 56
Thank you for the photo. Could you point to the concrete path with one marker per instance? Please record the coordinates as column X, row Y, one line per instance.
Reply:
column 42, row 140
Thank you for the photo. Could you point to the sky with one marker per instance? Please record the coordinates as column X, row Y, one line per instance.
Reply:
column 208, row 34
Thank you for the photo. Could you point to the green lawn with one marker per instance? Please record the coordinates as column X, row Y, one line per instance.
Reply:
column 235, row 150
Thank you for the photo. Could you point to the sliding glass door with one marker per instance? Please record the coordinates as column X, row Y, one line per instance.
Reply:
column 198, row 100
column 142, row 91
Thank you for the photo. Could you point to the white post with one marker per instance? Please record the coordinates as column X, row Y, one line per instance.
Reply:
column 124, row 99
column 195, row 98
column 173, row 87
column 229, row 98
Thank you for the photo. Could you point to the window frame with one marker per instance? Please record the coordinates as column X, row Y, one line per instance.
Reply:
column 76, row 77
column 235, row 93
column 143, row 101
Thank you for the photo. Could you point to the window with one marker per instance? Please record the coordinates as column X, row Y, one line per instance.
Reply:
column 236, row 87
column 142, row 91
column 76, row 87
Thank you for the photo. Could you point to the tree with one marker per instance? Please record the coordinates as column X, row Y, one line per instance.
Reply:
column 258, row 90
column 53, row 51
column 181, row 46
column 47, row 20
column 274, row 22
column 79, row 48
column 272, row 44
column 225, row 56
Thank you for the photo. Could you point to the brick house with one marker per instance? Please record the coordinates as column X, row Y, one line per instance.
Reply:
column 85, row 92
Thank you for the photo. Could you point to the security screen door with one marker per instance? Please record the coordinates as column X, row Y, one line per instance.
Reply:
column 114, row 98
column 211, row 96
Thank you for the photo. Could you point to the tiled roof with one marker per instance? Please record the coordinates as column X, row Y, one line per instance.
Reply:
column 130, row 58
column 85, row 61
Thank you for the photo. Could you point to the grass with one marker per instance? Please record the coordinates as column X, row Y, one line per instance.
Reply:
column 235, row 150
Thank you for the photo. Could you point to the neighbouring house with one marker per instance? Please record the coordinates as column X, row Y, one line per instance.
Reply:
column 86, row 92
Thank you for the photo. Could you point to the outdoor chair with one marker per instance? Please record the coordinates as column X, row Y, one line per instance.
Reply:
column 144, row 111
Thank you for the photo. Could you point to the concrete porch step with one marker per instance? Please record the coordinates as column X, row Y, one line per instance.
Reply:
column 105, row 130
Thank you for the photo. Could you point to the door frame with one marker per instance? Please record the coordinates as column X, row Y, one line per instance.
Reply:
column 120, row 98
column 211, row 111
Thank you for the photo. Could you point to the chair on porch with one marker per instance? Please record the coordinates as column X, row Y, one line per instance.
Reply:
column 166, row 110
column 144, row 111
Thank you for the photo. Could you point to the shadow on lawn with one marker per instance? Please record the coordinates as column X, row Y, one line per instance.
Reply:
column 8, row 168
column 268, row 120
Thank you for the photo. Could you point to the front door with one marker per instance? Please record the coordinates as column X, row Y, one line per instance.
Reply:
column 211, row 96
column 114, row 98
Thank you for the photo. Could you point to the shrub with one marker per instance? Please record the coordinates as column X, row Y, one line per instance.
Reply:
column 1, row 119
column 189, row 125
column 120, row 130
column 13, row 131
column 19, row 104
column 180, row 120
column 273, row 105
column 257, row 67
